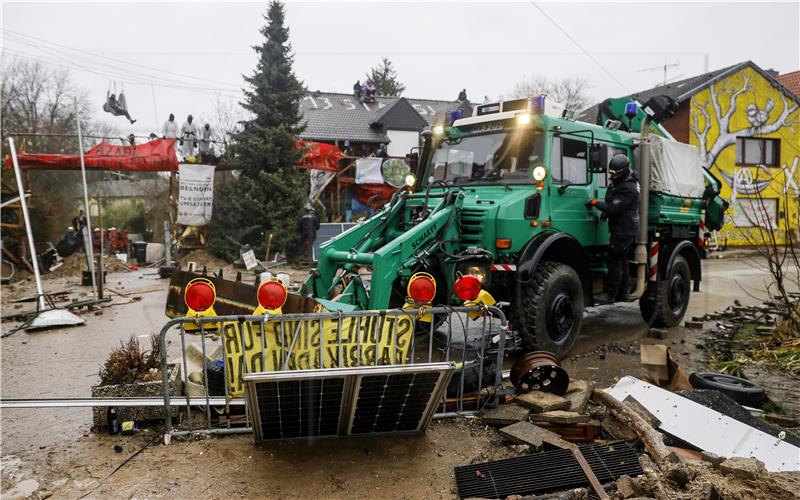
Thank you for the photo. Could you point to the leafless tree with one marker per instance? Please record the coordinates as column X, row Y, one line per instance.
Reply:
column 572, row 92
column 38, row 100
column 775, row 240
column 758, row 118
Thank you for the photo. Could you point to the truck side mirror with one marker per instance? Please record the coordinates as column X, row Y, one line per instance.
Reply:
column 598, row 158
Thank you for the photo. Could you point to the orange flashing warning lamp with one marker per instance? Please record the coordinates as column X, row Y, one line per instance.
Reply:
column 200, row 296
column 420, row 291
column 467, row 287
column 503, row 243
column 271, row 296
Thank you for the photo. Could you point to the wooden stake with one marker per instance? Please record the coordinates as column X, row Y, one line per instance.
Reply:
column 269, row 244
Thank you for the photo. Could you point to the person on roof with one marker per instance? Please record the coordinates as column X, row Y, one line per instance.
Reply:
column 357, row 90
column 204, row 144
column 369, row 91
column 117, row 107
column 170, row 128
column 462, row 96
column 188, row 137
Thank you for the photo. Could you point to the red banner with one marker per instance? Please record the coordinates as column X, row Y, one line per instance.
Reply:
column 155, row 156
column 319, row 156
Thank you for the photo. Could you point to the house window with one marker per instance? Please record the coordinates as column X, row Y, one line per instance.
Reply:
column 568, row 161
column 756, row 151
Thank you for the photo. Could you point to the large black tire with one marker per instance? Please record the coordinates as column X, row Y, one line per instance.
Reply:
column 551, row 309
column 669, row 302
column 738, row 389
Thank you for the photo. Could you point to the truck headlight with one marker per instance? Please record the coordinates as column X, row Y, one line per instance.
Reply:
column 539, row 173
column 478, row 270
column 410, row 180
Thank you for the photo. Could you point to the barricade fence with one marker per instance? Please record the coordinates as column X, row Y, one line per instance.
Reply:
column 217, row 351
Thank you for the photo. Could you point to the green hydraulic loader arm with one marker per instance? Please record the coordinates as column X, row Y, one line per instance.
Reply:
column 406, row 236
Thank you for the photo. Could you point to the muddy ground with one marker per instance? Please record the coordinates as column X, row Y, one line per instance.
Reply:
column 53, row 451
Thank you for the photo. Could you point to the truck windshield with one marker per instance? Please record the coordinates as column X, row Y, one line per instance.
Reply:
column 499, row 157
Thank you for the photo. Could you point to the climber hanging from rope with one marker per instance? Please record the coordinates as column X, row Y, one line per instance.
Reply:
column 117, row 106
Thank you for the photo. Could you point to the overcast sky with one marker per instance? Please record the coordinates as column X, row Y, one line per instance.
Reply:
column 175, row 57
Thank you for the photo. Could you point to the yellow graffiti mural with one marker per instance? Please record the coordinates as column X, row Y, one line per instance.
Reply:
column 747, row 105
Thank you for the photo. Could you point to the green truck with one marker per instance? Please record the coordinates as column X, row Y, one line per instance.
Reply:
column 500, row 196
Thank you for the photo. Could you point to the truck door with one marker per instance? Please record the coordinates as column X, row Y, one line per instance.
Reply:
column 601, row 186
column 572, row 188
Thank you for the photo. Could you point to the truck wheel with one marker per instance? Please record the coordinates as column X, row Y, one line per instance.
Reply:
column 552, row 309
column 670, row 301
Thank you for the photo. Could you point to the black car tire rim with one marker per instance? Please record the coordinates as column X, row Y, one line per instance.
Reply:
column 562, row 317
column 676, row 294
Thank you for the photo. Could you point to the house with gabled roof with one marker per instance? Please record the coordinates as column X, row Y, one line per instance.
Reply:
column 333, row 118
column 746, row 124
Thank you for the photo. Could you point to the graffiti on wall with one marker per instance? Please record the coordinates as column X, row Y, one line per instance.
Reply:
column 743, row 105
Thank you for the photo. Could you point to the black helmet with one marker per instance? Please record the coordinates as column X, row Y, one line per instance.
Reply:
column 619, row 166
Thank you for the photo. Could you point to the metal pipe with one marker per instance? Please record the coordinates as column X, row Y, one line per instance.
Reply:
column 27, row 218
column 640, row 254
column 8, row 404
column 87, row 244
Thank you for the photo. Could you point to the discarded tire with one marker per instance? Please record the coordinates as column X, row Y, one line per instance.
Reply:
column 740, row 390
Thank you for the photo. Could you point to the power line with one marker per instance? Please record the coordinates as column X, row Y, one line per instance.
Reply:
column 125, row 78
column 580, row 47
column 114, row 71
column 94, row 54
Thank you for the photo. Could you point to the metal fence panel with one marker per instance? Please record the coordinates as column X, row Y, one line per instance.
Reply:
column 255, row 344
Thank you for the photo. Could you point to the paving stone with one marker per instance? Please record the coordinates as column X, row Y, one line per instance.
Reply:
column 578, row 393
column 657, row 333
column 528, row 433
column 628, row 487
column 743, row 468
column 506, row 415
column 560, row 417
column 695, row 325
column 542, row 401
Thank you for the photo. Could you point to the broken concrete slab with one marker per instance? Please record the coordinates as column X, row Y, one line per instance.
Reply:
column 530, row 434
column 743, row 468
column 617, row 429
column 578, row 393
column 560, row 417
column 504, row 415
column 712, row 458
column 628, row 487
column 542, row 401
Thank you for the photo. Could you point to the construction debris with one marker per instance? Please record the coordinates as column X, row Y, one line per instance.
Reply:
column 542, row 401
column 530, row 434
column 506, row 415
column 560, row 417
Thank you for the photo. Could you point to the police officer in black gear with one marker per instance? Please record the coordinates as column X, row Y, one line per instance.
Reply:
column 621, row 206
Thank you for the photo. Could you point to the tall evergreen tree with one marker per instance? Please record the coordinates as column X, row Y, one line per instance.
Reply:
column 384, row 76
column 268, row 196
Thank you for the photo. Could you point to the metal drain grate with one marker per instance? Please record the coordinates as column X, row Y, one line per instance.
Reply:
column 545, row 472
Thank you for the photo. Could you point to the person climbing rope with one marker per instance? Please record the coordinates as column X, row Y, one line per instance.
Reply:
column 117, row 106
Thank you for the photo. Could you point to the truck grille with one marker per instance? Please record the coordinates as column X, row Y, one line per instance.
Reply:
column 471, row 222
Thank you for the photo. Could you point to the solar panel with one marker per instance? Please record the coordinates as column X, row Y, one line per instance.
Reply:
column 342, row 401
